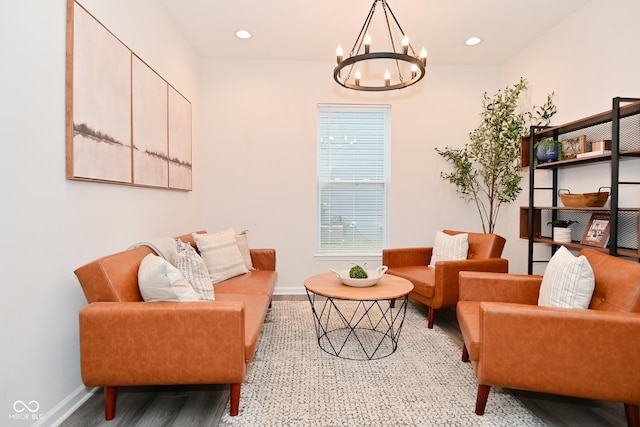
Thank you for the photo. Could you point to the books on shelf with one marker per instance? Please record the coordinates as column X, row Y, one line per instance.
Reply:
column 593, row 153
column 598, row 230
column 603, row 144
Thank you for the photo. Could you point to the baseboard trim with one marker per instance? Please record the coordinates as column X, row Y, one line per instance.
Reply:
column 289, row 291
column 66, row 407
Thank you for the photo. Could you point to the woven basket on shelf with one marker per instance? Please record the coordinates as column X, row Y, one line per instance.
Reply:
column 585, row 200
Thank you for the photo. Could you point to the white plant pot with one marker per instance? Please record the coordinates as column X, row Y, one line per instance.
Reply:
column 562, row 234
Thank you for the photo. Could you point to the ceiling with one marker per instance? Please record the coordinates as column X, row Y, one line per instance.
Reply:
column 311, row 30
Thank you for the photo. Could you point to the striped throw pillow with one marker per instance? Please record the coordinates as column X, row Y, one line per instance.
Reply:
column 568, row 281
column 221, row 254
column 447, row 247
column 192, row 266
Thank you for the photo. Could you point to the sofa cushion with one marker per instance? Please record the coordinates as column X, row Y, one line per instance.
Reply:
column 421, row 276
column 255, row 282
column 468, row 314
column 192, row 266
column 568, row 281
column 158, row 280
column 221, row 254
column 255, row 312
column 449, row 247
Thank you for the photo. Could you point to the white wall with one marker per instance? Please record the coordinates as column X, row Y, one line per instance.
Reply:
column 262, row 115
column 588, row 59
column 260, row 144
column 50, row 225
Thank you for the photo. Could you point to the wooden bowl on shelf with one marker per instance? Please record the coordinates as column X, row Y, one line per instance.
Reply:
column 584, row 200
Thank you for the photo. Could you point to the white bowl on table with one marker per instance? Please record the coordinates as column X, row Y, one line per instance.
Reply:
column 373, row 276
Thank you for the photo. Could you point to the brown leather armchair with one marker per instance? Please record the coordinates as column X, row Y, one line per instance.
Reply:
column 438, row 288
column 514, row 343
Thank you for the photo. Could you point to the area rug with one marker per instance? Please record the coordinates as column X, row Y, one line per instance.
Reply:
column 292, row 382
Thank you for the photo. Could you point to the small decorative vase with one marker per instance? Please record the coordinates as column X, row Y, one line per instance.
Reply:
column 562, row 234
column 546, row 155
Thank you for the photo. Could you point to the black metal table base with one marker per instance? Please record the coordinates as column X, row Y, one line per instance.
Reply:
column 358, row 330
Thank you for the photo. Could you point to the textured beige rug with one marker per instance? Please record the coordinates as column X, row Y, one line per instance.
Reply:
column 292, row 382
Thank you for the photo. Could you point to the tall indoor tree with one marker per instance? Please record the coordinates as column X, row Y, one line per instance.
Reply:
column 487, row 170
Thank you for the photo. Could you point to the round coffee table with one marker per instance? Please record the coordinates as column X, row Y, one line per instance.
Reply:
column 358, row 323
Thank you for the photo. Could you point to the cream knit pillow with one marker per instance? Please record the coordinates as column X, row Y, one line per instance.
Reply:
column 221, row 254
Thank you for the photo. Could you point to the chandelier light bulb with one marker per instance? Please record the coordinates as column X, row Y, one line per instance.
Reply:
column 405, row 45
column 358, row 75
column 387, row 78
column 367, row 43
column 339, row 54
column 414, row 71
column 423, row 56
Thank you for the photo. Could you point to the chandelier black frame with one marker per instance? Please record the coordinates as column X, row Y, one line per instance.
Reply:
column 418, row 63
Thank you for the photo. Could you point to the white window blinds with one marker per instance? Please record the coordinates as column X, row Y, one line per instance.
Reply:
column 352, row 178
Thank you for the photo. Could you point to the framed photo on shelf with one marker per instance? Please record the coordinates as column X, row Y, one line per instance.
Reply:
column 597, row 231
column 573, row 146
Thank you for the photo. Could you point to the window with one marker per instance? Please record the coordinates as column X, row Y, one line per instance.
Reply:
column 353, row 178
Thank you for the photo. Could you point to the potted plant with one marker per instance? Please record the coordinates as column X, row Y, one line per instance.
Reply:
column 547, row 150
column 487, row 170
column 561, row 229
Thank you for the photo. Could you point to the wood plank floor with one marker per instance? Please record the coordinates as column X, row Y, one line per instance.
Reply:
column 202, row 406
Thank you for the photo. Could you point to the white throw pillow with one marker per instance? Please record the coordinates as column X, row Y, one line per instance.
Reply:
column 221, row 254
column 568, row 281
column 243, row 245
column 158, row 280
column 192, row 266
column 447, row 247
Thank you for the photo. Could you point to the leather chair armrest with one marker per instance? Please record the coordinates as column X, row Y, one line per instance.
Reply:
column 499, row 287
column 141, row 343
column 582, row 353
column 263, row 259
column 447, row 276
column 404, row 257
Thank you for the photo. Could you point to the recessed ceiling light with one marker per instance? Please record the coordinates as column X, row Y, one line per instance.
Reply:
column 243, row 34
column 472, row 41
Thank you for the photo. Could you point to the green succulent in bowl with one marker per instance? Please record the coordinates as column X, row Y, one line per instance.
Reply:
column 357, row 272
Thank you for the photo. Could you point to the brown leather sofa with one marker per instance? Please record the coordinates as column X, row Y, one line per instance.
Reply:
column 125, row 341
column 514, row 343
column 438, row 288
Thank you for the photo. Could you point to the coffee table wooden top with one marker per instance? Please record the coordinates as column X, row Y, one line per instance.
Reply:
column 329, row 285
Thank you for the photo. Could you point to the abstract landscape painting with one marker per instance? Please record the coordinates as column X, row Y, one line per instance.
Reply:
column 179, row 141
column 101, row 103
column 150, row 150
column 125, row 123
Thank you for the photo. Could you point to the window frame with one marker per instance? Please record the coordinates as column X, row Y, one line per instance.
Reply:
column 361, row 252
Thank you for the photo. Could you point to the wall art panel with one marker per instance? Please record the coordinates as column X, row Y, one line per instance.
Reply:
column 125, row 123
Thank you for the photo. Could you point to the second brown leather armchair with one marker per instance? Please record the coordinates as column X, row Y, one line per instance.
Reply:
column 438, row 287
column 513, row 342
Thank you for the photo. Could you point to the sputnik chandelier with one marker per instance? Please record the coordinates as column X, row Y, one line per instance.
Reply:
column 368, row 70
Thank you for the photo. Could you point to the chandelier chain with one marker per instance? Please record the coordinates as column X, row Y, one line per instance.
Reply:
column 393, row 45
column 365, row 27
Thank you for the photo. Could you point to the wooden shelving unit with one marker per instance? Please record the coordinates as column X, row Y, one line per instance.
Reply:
column 621, row 125
column 542, row 232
